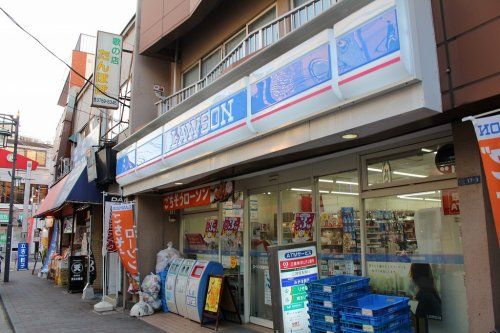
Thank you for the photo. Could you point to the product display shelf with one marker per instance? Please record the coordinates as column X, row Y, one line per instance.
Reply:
column 325, row 297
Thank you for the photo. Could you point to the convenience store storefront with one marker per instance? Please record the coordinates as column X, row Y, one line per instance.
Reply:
column 385, row 205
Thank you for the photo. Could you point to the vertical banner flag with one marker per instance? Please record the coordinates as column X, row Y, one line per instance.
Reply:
column 488, row 137
column 122, row 221
column 107, row 66
column 52, row 248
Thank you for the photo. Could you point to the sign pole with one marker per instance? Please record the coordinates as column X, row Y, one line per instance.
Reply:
column 11, row 202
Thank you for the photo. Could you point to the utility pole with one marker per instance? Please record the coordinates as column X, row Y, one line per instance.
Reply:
column 6, row 272
column 27, row 195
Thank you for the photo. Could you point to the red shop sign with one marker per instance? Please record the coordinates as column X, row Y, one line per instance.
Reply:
column 185, row 199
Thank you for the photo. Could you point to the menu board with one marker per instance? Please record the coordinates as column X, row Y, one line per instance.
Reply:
column 297, row 266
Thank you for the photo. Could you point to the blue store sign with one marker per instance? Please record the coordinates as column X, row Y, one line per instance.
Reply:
column 22, row 256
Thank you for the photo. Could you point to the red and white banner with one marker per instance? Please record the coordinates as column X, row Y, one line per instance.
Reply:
column 185, row 199
column 124, row 236
column 488, row 136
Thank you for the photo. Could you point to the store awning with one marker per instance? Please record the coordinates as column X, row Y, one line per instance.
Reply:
column 73, row 188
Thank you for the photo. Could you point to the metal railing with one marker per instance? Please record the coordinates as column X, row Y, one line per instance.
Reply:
column 254, row 42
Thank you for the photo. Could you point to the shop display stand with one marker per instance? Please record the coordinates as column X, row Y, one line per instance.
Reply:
column 390, row 231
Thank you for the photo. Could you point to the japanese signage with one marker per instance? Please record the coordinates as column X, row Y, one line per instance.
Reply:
column 302, row 227
column 22, row 256
column 52, row 248
column 488, row 136
column 122, row 220
column 297, row 266
column 185, row 199
column 108, row 243
column 76, row 273
column 211, row 231
column 108, row 59
column 4, row 217
column 450, row 202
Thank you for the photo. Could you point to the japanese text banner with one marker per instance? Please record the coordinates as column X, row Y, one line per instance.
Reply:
column 185, row 199
column 488, row 136
column 122, row 220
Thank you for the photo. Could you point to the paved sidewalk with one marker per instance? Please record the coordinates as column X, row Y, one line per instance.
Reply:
column 37, row 305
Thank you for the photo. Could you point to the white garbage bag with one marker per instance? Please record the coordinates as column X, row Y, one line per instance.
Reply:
column 165, row 257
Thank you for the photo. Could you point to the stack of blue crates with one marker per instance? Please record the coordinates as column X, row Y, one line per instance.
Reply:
column 325, row 296
column 377, row 314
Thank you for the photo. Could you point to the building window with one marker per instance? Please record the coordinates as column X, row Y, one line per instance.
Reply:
column 191, row 76
column 262, row 20
column 234, row 41
column 35, row 155
column 208, row 63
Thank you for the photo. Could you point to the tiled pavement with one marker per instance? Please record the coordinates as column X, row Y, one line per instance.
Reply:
column 37, row 305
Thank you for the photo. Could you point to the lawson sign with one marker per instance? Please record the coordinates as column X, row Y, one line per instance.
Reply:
column 367, row 53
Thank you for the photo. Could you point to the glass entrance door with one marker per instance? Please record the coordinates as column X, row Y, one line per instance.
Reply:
column 263, row 233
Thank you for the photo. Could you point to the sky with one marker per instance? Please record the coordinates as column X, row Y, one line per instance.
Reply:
column 31, row 79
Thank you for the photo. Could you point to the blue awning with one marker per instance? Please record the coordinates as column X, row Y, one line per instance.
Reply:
column 72, row 188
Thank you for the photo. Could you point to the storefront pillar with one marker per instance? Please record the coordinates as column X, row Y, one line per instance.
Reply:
column 481, row 252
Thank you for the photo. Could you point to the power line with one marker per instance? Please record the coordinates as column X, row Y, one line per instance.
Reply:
column 53, row 54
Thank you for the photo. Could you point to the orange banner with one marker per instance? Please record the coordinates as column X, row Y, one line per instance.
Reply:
column 122, row 221
column 488, row 136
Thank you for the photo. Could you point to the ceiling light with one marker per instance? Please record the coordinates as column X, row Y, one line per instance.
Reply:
column 349, row 136
column 325, row 180
column 409, row 174
column 346, row 182
column 301, row 189
column 374, row 169
column 323, row 191
column 430, row 199
column 178, row 183
column 343, row 193
column 409, row 198
column 419, row 193
column 427, row 150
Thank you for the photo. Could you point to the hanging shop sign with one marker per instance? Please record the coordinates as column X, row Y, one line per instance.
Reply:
column 488, row 136
column 76, row 273
column 107, row 67
column 22, row 256
column 302, row 227
column 202, row 196
column 291, row 267
column 6, row 158
column 370, row 52
column 124, row 236
column 52, row 247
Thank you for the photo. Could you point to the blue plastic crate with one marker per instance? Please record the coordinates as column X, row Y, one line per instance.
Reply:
column 401, row 329
column 338, row 284
column 323, row 325
column 328, row 318
column 401, row 321
column 375, row 321
column 321, row 310
column 375, row 305
column 317, row 330
column 338, row 297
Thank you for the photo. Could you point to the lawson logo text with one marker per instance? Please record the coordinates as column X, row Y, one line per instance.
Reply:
column 489, row 129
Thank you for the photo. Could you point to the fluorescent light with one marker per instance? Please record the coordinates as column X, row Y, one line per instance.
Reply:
column 178, row 183
column 430, row 199
column 419, row 193
column 268, row 193
column 322, row 191
column 325, row 180
column 427, row 150
column 301, row 189
column 346, row 182
column 349, row 136
column 374, row 169
column 344, row 193
column 409, row 174
column 409, row 198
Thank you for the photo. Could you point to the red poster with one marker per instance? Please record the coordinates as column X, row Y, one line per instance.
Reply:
column 31, row 221
column 302, row 227
column 231, row 225
column 185, row 199
column 122, row 218
column 194, row 240
column 450, row 202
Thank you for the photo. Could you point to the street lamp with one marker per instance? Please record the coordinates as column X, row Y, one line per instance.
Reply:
column 9, row 125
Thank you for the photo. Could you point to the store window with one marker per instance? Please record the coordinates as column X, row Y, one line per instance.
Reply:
column 232, row 246
column 339, row 223
column 421, row 164
column 298, row 214
column 414, row 249
column 201, row 234
column 264, row 233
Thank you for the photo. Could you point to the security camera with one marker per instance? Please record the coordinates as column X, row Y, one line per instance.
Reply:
column 159, row 91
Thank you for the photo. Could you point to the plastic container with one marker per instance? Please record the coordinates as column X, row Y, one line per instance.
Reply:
column 317, row 330
column 327, row 318
column 324, row 326
column 338, row 297
column 375, row 305
column 400, row 324
column 375, row 321
column 338, row 284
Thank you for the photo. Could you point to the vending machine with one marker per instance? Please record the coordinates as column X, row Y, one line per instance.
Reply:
column 197, row 286
column 181, row 284
column 170, row 284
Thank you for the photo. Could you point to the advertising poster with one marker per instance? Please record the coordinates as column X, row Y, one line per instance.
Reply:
column 229, row 232
column 213, row 294
column 450, row 202
column 76, row 273
column 124, row 235
column 488, row 137
column 211, row 232
column 22, row 256
column 52, row 248
column 267, row 288
column 296, row 267
column 302, row 228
